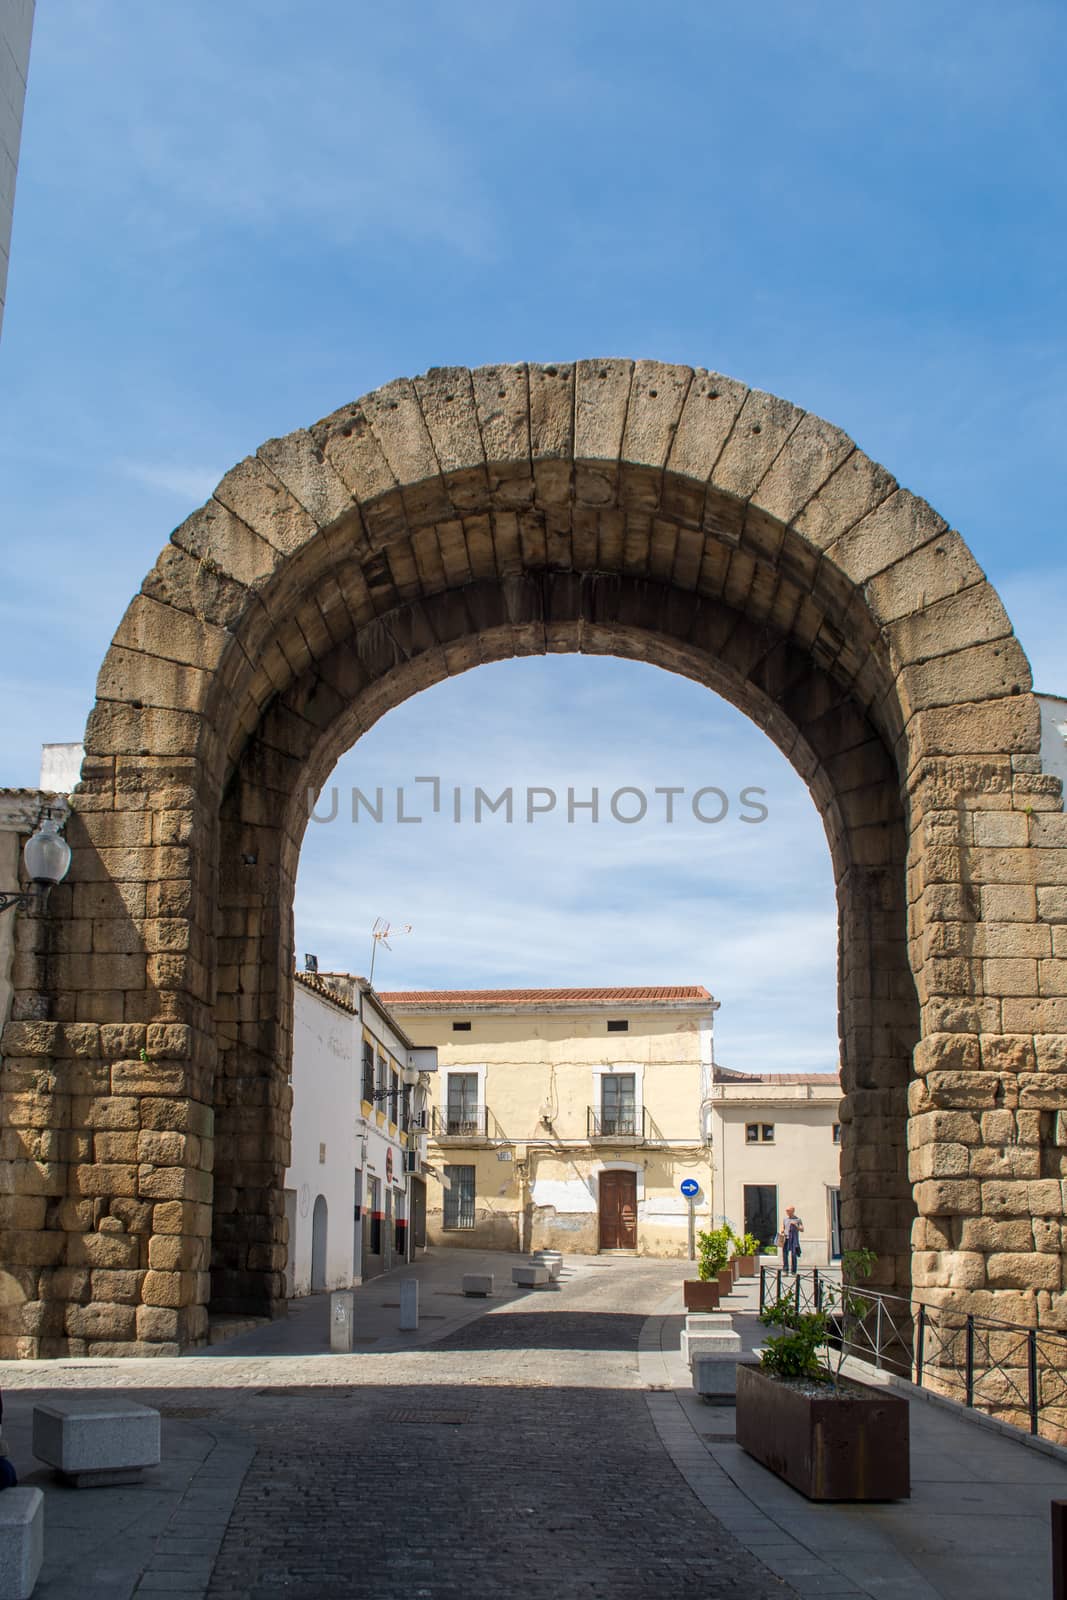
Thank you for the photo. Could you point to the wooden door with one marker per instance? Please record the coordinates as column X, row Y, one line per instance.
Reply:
column 618, row 1211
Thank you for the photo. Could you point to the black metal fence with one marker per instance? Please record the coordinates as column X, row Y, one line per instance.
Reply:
column 1010, row 1371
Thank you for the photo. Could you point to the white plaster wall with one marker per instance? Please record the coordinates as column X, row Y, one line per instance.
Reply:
column 325, row 1108
column 1054, row 736
column 803, row 1162
column 16, row 27
column 61, row 766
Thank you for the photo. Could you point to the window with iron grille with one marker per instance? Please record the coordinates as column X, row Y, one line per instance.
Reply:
column 381, row 1081
column 618, row 1109
column 394, row 1097
column 368, row 1070
column 462, row 1105
column 459, row 1197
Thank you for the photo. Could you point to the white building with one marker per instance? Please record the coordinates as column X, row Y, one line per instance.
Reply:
column 354, row 1193
column 16, row 26
column 777, row 1143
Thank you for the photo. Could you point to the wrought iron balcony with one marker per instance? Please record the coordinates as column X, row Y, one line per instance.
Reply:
column 623, row 1124
column 461, row 1124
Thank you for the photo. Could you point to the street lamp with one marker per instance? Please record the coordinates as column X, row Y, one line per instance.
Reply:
column 409, row 1077
column 46, row 858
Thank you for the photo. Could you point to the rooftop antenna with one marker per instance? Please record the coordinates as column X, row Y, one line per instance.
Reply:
column 381, row 933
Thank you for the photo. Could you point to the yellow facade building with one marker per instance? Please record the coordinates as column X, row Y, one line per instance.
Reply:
column 567, row 1118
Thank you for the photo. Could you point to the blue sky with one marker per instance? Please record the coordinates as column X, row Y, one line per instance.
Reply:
column 231, row 219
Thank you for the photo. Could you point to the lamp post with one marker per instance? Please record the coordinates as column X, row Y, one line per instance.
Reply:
column 409, row 1077
column 46, row 857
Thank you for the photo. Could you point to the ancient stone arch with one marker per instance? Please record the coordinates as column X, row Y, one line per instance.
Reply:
column 628, row 508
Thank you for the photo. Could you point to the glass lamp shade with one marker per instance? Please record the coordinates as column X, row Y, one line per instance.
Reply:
column 47, row 854
column 410, row 1076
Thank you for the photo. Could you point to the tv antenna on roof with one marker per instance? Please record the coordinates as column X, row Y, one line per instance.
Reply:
column 381, row 933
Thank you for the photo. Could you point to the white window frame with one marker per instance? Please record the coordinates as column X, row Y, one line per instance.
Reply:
column 462, row 1071
column 636, row 1070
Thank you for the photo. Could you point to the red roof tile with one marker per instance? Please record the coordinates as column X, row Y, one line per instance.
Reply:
column 729, row 1075
column 458, row 999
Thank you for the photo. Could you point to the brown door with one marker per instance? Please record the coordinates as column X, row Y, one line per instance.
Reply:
column 618, row 1211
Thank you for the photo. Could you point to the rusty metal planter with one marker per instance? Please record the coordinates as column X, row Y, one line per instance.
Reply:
column 744, row 1266
column 851, row 1448
column 701, row 1295
column 726, row 1281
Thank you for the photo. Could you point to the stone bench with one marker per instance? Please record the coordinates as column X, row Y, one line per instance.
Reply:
column 531, row 1277
column 21, row 1541
column 721, row 1342
column 715, row 1376
column 552, row 1264
column 93, row 1443
column 478, row 1284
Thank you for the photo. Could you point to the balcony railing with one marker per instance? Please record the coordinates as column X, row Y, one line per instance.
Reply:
column 468, row 1122
column 613, row 1125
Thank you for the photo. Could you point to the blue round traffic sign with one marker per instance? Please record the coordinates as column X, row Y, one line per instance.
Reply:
column 690, row 1187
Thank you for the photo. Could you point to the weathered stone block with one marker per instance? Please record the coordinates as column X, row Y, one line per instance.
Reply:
column 113, row 1251
column 123, row 1288
column 169, row 1289
column 478, row 1284
column 101, row 1320
column 92, row 1442
column 1024, row 1270
column 173, row 1183
column 946, row 1197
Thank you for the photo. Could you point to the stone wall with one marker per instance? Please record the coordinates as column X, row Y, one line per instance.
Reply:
column 635, row 509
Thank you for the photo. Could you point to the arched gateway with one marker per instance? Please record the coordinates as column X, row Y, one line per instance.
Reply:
column 621, row 508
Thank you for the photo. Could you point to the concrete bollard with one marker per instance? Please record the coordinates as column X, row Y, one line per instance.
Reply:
column 342, row 1318
column 409, row 1304
column 21, row 1541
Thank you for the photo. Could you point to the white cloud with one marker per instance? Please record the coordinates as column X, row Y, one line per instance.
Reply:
column 190, row 484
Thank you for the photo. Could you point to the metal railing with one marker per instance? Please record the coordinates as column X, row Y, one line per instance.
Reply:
column 1005, row 1369
column 630, row 1123
column 460, row 1122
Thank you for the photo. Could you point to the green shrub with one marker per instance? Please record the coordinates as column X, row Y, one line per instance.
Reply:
column 800, row 1350
column 714, row 1248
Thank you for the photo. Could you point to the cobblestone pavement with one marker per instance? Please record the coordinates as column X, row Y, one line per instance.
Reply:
column 485, row 1479
column 515, row 1455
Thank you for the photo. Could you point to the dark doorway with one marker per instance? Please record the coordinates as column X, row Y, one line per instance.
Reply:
column 618, row 1211
column 418, row 1213
column 761, row 1211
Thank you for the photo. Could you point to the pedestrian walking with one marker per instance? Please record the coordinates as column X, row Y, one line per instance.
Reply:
column 789, row 1239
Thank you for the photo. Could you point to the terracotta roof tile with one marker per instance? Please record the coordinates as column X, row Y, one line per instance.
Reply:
column 729, row 1075
column 457, row 999
column 317, row 984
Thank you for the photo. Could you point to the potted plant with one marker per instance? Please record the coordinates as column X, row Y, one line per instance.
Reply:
column 702, row 1292
column 828, row 1436
column 743, row 1260
column 714, row 1246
